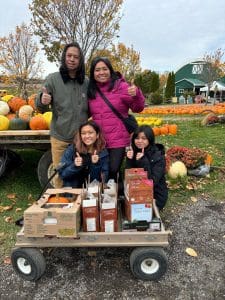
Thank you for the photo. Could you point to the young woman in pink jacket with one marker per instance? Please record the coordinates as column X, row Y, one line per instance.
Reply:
column 103, row 79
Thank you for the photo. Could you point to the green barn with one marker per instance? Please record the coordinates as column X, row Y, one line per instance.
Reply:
column 188, row 79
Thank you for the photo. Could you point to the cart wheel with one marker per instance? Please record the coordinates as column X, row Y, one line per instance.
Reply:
column 148, row 263
column 29, row 263
column 45, row 169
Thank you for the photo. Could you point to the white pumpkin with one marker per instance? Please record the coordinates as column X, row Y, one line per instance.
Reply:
column 4, row 108
column 25, row 112
column 177, row 169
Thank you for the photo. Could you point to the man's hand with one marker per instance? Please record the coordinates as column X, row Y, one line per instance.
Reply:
column 46, row 98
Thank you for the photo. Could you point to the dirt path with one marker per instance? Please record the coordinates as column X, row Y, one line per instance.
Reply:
column 72, row 274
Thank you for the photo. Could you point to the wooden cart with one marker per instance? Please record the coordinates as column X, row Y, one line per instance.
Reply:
column 27, row 139
column 148, row 260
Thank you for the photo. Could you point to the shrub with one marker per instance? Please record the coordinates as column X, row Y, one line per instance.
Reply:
column 156, row 98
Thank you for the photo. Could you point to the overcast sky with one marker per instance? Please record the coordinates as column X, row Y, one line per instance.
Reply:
column 167, row 33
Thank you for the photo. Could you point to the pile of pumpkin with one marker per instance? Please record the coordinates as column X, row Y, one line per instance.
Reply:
column 166, row 129
column 19, row 114
column 155, row 123
column 187, row 109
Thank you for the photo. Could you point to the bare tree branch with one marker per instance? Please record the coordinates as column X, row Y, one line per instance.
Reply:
column 91, row 23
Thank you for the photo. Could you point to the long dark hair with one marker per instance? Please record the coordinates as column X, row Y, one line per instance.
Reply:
column 147, row 130
column 92, row 86
column 80, row 72
column 99, row 144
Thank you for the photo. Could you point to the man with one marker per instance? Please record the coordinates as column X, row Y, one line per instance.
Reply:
column 65, row 92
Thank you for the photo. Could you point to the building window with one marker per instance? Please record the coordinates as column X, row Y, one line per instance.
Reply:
column 197, row 69
column 181, row 91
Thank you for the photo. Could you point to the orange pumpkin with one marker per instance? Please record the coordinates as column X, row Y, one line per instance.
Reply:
column 58, row 199
column 38, row 123
column 31, row 100
column 173, row 129
column 11, row 116
column 156, row 131
column 15, row 103
column 164, row 130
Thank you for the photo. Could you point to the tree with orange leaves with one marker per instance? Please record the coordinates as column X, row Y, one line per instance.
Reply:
column 213, row 68
column 18, row 58
column 124, row 59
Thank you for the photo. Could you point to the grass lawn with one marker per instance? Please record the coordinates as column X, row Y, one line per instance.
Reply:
column 20, row 188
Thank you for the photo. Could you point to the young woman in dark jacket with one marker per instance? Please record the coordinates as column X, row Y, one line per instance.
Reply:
column 86, row 158
column 144, row 153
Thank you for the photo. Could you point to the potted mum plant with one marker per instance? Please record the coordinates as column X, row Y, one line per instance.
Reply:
column 197, row 161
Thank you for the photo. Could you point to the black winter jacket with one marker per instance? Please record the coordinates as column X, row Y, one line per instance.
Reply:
column 154, row 163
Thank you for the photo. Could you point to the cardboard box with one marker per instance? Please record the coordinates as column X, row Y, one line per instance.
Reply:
column 108, row 216
column 50, row 219
column 138, row 211
column 135, row 173
column 90, row 213
column 139, row 190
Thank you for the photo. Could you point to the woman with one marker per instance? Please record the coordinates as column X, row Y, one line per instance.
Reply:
column 103, row 79
column 144, row 153
column 86, row 158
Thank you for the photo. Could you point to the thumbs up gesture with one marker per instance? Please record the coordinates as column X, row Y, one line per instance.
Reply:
column 130, row 152
column 140, row 154
column 78, row 161
column 46, row 97
column 95, row 157
column 132, row 89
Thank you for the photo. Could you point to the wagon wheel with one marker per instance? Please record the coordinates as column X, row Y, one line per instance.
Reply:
column 45, row 169
column 148, row 263
column 29, row 263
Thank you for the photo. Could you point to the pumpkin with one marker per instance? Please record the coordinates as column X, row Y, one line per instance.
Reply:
column 48, row 117
column 58, row 199
column 177, row 169
column 11, row 116
column 156, row 131
column 4, row 108
column 4, row 123
column 164, row 130
column 31, row 101
column 38, row 123
column 6, row 98
column 25, row 112
column 15, row 103
column 17, row 124
column 172, row 129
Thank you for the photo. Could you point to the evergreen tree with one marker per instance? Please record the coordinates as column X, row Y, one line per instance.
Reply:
column 168, row 87
column 172, row 84
column 154, row 83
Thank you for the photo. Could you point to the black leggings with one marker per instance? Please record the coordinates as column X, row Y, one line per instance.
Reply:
column 116, row 156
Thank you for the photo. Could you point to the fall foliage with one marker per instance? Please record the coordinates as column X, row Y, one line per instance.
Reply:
column 213, row 68
column 124, row 59
column 18, row 57
column 91, row 23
